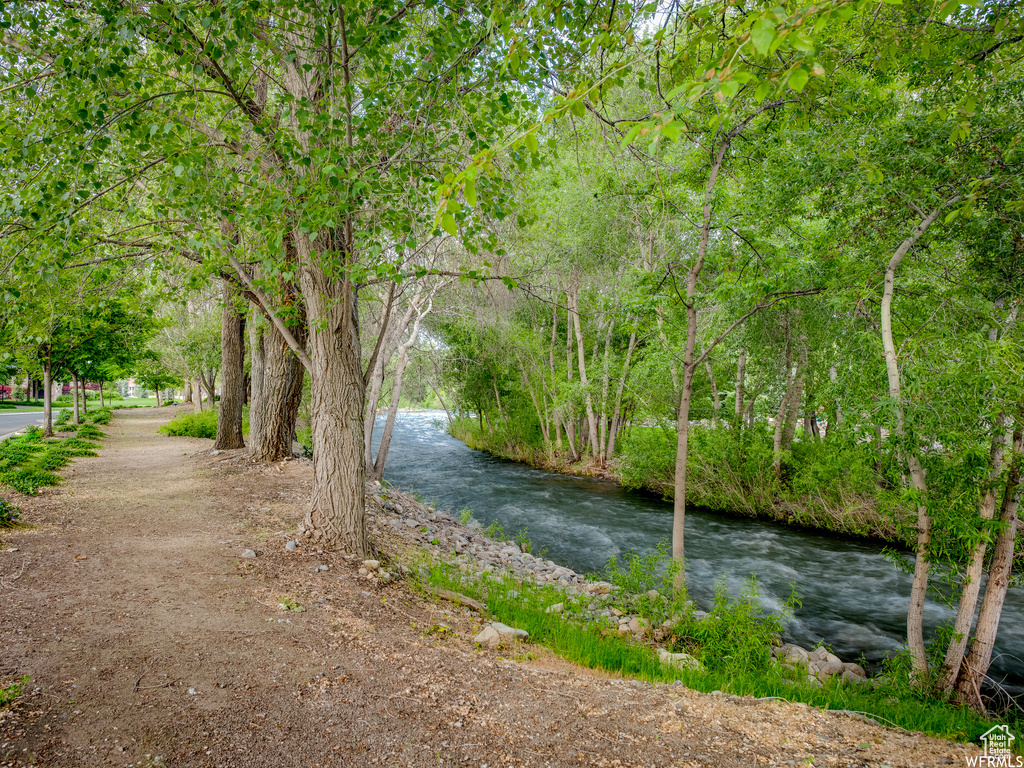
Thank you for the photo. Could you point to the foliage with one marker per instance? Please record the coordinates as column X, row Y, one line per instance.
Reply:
column 28, row 481
column 9, row 514
column 90, row 432
column 10, row 693
column 202, row 424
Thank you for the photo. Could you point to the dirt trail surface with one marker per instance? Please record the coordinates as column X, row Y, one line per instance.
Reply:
column 151, row 640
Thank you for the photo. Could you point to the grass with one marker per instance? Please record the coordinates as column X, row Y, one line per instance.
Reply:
column 734, row 650
column 28, row 461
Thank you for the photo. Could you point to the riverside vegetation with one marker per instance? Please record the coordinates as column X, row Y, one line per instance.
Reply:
column 630, row 621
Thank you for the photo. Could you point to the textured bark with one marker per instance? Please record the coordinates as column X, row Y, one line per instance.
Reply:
column 257, row 357
column 101, row 396
column 85, row 404
column 781, row 416
column 271, row 419
column 974, row 667
column 188, row 392
column 336, row 515
column 198, row 395
column 232, row 348
column 556, row 412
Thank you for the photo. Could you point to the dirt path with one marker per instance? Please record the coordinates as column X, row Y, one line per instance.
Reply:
column 151, row 641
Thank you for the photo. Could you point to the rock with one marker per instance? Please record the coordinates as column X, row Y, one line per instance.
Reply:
column 599, row 588
column 793, row 655
column 700, row 615
column 323, row 567
column 855, row 669
column 250, row 554
column 488, row 638
column 615, row 612
column 854, row 678
column 678, row 660
column 212, row 453
column 507, row 632
column 637, row 626
column 823, row 670
column 291, row 546
column 371, row 565
column 821, row 654
column 556, row 608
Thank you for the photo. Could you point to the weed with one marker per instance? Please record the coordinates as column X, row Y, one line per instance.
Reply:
column 67, row 428
column 62, row 416
column 10, row 515
column 102, row 417
column 465, row 515
column 496, row 531
column 290, row 605
column 11, row 692
column 522, row 538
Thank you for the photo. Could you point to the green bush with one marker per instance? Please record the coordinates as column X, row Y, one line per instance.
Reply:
column 28, row 481
column 77, row 444
column 54, row 458
column 10, row 515
column 67, row 428
column 192, row 425
column 89, row 432
column 62, row 416
column 102, row 416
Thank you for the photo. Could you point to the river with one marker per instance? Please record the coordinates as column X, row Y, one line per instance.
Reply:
column 851, row 596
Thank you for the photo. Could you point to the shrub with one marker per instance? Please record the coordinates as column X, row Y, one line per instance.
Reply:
column 9, row 514
column 54, row 458
column 67, row 428
column 102, row 416
column 77, row 444
column 89, row 432
column 62, row 416
column 192, row 425
column 27, row 481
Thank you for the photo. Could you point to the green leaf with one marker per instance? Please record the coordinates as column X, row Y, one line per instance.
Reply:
column 531, row 142
column 448, row 224
column 469, row 192
column 762, row 35
column 798, row 79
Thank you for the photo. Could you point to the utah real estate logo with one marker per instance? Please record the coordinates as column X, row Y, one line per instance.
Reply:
column 998, row 743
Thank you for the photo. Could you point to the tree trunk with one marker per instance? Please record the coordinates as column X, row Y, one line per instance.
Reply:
column 257, row 373
column 85, row 403
column 232, row 346
column 158, row 403
column 188, row 392
column 975, row 666
column 377, row 471
column 919, row 588
column 199, row 395
column 271, row 424
column 74, row 391
column 741, row 369
column 47, row 400
column 616, row 418
column 602, row 438
column 715, row 402
column 103, row 405
column 782, row 415
column 581, row 354
column 976, row 565
column 336, row 515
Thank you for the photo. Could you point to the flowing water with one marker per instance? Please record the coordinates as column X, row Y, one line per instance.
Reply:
column 851, row 596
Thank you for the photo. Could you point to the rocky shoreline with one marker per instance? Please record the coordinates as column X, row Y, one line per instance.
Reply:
column 467, row 546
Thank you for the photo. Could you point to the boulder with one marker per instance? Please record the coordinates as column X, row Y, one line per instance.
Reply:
column 854, row 679
column 249, row 554
column 822, row 654
column 508, row 633
column 488, row 638
column 678, row 660
column 371, row 565
column 599, row 588
column 556, row 608
column 855, row 669
column 823, row 670
column 638, row 626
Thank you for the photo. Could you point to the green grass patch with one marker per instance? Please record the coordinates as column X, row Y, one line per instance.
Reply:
column 28, row 481
column 192, row 425
column 733, row 644
column 102, row 416
column 27, row 462
column 66, row 428
column 90, row 432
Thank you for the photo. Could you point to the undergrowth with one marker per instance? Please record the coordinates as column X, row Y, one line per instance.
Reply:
column 28, row 461
column 732, row 643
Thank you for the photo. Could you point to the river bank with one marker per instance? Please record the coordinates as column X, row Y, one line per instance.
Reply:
column 649, row 465
column 172, row 625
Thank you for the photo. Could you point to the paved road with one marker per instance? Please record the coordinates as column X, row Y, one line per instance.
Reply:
column 12, row 421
